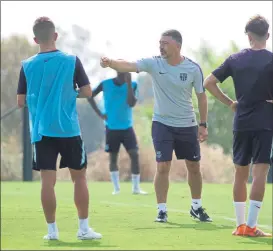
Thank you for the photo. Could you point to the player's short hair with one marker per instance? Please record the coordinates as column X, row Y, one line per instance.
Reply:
column 257, row 25
column 43, row 29
column 175, row 34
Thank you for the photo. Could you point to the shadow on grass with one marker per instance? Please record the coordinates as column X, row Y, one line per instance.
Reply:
column 197, row 226
column 79, row 244
column 258, row 241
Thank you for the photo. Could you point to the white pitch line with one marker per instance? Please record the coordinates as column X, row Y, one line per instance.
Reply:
column 268, row 227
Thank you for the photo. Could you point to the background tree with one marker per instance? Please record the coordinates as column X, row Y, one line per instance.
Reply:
column 220, row 117
column 13, row 50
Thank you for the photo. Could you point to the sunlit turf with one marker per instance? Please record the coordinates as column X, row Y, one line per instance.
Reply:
column 126, row 221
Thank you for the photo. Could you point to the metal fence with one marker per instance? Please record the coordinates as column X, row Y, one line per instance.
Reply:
column 26, row 143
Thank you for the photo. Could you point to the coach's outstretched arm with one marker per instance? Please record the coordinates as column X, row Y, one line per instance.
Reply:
column 118, row 65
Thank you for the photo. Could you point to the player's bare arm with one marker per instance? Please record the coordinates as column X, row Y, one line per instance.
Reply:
column 94, row 104
column 131, row 98
column 202, row 106
column 85, row 92
column 21, row 100
column 118, row 65
column 210, row 84
column 203, row 111
column 81, row 80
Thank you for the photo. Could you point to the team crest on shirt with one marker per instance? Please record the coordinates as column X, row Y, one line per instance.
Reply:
column 183, row 76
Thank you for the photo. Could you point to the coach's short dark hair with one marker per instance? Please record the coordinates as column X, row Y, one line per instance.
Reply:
column 175, row 34
column 257, row 25
column 43, row 29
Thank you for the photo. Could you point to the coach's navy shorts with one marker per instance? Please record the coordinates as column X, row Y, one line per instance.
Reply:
column 252, row 146
column 183, row 140
column 46, row 151
column 114, row 138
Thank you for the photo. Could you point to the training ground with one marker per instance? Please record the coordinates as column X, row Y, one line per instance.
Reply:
column 126, row 221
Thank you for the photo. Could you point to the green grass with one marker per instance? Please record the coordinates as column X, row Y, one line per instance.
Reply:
column 126, row 221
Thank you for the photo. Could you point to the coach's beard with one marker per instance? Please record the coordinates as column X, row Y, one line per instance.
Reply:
column 163, row 54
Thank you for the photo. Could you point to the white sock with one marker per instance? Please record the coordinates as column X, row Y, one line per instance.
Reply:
column 52, row 227
column 253, row 212
column 135, row 182
column 83, row 224
column 196, row 203
column 115, row 179
column 240, row 208
column 162, row 207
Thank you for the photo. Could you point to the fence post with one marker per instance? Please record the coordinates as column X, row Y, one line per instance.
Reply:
column 27, row 149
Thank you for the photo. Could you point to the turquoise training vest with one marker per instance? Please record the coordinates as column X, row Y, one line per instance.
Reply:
column 119, row 113
column 51, row 97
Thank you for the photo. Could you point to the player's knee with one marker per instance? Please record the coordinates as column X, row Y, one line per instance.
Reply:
column 78, row 176
column 80, row 180
column 48, row 178
column 133, row 153
column 260, row 171
column 242, row 173
column 163, row 168
column 193, row 167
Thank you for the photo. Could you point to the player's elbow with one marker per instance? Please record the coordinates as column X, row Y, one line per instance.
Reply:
column 89, row 93
column 207, row 83
column 21, row 101
column 210, row 81
column 132, row 102
column 86, row 91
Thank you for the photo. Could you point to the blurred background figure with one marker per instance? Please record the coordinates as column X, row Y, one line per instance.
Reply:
column 120, row 97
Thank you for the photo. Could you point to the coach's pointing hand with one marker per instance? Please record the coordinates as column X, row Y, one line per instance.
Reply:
column 105, row 62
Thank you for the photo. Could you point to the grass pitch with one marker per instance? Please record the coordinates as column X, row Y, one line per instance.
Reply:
column 126, row 221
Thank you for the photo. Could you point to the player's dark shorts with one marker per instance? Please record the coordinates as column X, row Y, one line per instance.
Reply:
column 72, row 151
column 182, row 140
column 114, row 138
column 252, row 146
